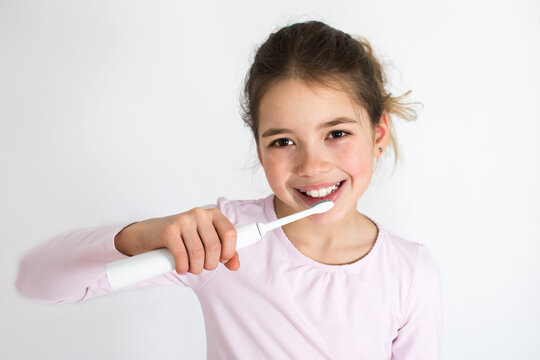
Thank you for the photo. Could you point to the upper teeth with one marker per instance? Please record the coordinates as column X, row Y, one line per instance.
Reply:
column 321, row 192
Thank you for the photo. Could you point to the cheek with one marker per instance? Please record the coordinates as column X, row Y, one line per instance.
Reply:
column 357, row 161
column 275, row 170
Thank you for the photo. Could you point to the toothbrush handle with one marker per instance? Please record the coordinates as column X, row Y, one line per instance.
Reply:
column 144, row 266
column 138, row 268
column 286, row 220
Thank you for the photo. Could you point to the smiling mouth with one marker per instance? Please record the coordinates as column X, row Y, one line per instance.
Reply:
column 321, row 193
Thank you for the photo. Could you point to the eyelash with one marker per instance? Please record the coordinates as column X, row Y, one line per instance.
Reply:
column 273, row 143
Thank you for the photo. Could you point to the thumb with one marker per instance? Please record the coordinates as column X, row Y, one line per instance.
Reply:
column 233, row 263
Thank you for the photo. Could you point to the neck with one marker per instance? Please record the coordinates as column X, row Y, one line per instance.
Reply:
column 353, row 230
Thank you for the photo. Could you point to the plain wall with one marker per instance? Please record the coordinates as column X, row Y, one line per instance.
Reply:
column 120, row 111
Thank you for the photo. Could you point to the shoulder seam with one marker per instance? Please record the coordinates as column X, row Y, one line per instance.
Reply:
column 231, row 206
column 413, row 276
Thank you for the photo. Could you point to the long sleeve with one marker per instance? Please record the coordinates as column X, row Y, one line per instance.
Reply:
column 419, row 337
column 71, row 267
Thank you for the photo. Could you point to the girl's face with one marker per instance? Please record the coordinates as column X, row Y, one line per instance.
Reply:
column 314, row 138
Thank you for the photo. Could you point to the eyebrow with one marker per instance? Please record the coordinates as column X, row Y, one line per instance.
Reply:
column 337, row 121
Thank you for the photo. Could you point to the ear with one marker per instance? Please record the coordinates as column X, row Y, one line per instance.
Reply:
column 382, row 133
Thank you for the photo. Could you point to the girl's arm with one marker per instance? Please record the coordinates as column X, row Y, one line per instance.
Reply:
column 71, row 267
column 419, row 336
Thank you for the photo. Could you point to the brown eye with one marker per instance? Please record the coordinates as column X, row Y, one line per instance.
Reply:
column 281, row 143
column 340, row 132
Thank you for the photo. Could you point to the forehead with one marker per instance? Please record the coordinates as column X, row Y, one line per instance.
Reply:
column 293, row 102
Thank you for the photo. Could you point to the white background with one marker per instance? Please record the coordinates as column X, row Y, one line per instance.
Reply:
column 117, row 111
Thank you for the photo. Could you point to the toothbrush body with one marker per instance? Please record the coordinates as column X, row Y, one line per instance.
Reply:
column 144, row 266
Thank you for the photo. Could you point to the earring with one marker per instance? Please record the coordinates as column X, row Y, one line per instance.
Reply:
column 380, row 149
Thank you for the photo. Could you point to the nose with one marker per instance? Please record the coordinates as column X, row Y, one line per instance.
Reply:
column 311, row 162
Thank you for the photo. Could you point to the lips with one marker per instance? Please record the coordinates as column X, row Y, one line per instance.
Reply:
column 318, row 186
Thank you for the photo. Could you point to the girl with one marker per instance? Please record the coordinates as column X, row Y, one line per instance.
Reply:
column 336, row 285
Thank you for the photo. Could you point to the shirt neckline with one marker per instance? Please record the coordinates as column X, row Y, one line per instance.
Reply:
column 271, row 214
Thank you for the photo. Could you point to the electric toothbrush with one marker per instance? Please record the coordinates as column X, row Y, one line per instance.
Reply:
column 144, row 266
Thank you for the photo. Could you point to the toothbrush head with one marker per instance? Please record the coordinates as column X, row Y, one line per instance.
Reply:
column 322, row 206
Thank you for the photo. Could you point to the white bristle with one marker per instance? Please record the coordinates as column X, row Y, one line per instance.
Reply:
column 323, row 206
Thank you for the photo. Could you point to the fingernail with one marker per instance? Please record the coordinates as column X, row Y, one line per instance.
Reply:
column 223, row 261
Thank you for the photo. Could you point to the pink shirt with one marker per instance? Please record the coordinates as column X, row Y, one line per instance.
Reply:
column 280, row 304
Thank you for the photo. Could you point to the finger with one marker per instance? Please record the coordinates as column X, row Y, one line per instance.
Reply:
column 226, row 233
column 176, row 246
column 211, row 243
column 195, row 248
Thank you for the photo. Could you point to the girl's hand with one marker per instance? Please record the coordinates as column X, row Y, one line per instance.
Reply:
column 197, row 239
